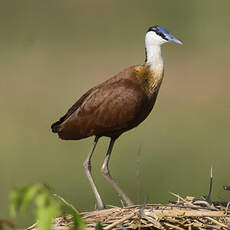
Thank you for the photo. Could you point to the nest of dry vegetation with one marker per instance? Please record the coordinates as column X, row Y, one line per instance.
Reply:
column 186, row 213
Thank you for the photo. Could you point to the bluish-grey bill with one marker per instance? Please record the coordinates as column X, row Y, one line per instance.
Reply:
column 173, row 39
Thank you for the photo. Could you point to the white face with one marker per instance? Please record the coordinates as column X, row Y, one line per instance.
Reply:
column 152, row 38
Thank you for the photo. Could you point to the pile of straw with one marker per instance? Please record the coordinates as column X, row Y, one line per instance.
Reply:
column 187, row 213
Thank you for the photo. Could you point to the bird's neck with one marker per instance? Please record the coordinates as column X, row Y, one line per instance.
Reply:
column 154, row 69
column 153, row 57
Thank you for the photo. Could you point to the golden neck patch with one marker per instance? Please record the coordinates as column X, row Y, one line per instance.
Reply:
column 149, row 78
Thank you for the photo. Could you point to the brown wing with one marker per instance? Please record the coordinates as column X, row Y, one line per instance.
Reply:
column 125, row 74
column 107, row 110
column 55, row 126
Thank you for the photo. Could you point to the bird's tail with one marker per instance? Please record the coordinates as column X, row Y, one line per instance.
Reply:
column 55, row 126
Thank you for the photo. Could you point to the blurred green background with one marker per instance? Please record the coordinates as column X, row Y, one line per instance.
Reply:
column 52, row 51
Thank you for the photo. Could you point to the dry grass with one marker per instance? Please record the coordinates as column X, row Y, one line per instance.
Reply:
column 186, row 213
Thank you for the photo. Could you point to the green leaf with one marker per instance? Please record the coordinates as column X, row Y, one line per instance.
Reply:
column 99, row 226
column 47, row 207
column 20, row 197
column 79, row 224
column 45, row 215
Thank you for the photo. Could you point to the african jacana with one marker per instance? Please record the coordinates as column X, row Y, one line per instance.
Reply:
column 117, row 105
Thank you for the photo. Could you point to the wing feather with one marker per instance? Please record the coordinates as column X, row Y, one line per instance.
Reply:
column 105, row 110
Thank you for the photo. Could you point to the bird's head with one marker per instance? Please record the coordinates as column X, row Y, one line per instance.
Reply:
column 157, row 35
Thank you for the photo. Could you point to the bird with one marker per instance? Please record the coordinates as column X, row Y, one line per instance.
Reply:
column 117, row 105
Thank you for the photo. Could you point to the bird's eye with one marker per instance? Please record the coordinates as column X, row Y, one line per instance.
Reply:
column 159, row 33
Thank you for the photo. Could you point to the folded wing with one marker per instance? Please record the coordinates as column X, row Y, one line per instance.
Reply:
column 108, row 110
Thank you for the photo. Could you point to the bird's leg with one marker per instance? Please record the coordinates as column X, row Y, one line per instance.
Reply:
column 87, row 166
column 106, row 173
